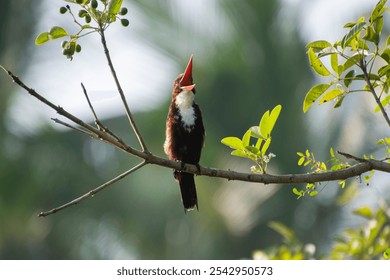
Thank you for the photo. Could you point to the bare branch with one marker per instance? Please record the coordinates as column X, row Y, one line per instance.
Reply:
column 98, row 123
column 73, row 127
column 120, row 90
column 363, row 66
column 342, row 174
column 92, row 192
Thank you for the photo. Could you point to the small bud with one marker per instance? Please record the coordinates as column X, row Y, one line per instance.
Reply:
column 83, row 13
column 94, row 4
column 66, row 52
column 64, row 44
column 124, row 22
column 123, row 11
column 87, row 18
column 79, row 1
column 63, row 10
column 78, row 48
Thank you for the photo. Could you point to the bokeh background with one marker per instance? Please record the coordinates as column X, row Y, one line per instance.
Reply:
column 248, row 57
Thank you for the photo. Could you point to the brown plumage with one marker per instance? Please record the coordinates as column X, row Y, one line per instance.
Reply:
column 185, row 134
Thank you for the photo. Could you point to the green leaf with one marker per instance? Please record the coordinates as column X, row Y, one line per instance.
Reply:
column 114, row 6
column 349, row 78
column 265, row 146
column 258, row 143
column 327, row 51
column 301, row 161
column 334, row 62
column 57, row 32
column 378, row 25
column 354, row 60
column 384, row 141
column 246, row 138
column 233, row 142
column 331, row 152
column 372, row 77
column 264, row 125
column 274, row 117
column 386, row 254
column 385, row 101
column 349, row 24
column 352, row 33
column 239, row 153
column 268, row 121
column 42, row 38
column 299, row 193
column 378, row 10
column 384, row 70
column 332, row 94
column 313, row 193
column 386, row 54
column 253, row 150
column 313, row 95
column 316, row 63
column 371, row 35
column 364, row 212
column 319, row 45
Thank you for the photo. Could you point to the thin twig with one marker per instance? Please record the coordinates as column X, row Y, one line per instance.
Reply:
column 107, row 137
column 92, row 192
column 73, row 127
column 120, row 90
column 98, row 123
column 363, row 66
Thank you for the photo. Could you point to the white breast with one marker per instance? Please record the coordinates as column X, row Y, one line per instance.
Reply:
column 184, row 101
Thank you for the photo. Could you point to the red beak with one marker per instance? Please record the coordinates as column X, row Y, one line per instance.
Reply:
column 186, row 81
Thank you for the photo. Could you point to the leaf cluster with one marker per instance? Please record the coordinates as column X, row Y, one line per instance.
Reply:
column 89, row 19
column 262, row 134
column 308, row 159
column 356, row 57
column 370, row 241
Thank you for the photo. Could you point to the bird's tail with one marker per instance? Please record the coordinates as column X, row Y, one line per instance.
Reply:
column 188, row 190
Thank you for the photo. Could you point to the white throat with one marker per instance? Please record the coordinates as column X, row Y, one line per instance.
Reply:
column 184, row 101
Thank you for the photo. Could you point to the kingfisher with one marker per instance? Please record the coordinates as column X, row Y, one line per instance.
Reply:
column 185, row 134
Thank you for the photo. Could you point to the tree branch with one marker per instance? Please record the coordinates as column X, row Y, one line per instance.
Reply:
column 363, row 66
column 120, row 90
column 92, row 192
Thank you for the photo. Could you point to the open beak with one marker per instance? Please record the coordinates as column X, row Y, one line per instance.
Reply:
column 186, row 81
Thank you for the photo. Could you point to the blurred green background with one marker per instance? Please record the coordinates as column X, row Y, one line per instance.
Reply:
column 248, row 57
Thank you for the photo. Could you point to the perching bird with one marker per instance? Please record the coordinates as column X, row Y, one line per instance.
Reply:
column 185, row 134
